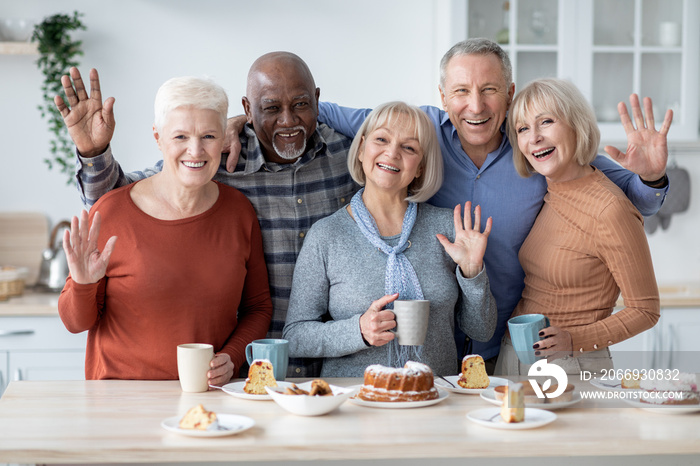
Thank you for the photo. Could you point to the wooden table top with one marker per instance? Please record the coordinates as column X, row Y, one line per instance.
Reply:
column 119, row 421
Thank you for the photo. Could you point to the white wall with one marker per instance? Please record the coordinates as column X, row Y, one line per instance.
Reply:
column 362, row 53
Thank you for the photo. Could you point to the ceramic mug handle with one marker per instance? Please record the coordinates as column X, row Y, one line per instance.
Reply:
column 249, row 353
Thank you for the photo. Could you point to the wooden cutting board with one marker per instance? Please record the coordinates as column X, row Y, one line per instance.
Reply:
column 23, row 237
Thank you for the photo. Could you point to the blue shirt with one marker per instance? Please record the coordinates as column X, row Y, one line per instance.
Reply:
column 511, row 200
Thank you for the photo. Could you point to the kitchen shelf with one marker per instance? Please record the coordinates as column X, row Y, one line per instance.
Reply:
column 18, row 48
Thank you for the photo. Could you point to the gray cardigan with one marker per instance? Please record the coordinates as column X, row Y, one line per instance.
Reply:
column 339, row 273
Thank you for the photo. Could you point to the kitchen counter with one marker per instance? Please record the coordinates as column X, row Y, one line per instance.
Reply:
column 43, row 303
column 119, row 421
column 33, row 302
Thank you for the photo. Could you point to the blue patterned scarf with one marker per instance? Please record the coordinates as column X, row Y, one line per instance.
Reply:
column 400, row 277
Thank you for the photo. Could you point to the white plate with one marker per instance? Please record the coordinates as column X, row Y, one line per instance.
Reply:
column 236, row 389
column 442, row 394
column 664, row 409
column 305, row 405
column 493, row 382
column 490, row 396
column 229, row 424
column 491, row 417
column 612, row 385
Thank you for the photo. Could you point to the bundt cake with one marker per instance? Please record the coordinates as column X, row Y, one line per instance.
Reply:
column 260, row 375
column 413, row 382
column 198, row 418
column 513, row 407
column 473, row 372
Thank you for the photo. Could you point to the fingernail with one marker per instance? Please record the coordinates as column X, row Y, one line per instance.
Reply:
column 535, row 346
column 542, row 333
column 537, row 353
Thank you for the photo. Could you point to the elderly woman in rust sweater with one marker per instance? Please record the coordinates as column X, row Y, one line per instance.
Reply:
column 187, row 266
column 588, row 243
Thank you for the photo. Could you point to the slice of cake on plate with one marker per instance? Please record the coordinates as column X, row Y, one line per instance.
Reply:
column 473, row 372
column 513, row 407
column 199, row 418
column 260, row 375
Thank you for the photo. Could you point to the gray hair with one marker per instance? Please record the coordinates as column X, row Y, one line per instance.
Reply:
column 188, row 91
column 477, row 46
column 430, row 179
column 563, row 100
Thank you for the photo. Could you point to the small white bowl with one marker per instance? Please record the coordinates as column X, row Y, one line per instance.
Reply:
column 16, row 29
column 305, row 405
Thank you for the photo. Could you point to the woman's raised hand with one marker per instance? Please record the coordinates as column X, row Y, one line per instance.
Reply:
column 85, row 262
column 376, row 322
column 647, row 150
column 470, row 243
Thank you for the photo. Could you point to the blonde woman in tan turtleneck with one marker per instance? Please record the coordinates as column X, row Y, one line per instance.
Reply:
column 588, row 243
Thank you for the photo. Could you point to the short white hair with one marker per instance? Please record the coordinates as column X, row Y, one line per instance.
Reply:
column 189, row 91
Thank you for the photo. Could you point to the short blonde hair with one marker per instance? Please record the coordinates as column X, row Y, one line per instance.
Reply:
column 189, row 91
column 430, row 179
column 564, row 101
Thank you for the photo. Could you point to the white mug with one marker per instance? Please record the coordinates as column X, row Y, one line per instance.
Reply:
column 192, row 366
column 411, row 320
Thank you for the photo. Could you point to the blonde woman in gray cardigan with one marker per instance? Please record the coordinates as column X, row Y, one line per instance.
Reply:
column 388, row 244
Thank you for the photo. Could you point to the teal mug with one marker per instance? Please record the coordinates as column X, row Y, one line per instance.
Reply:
column 274, row 350
column 524, row 332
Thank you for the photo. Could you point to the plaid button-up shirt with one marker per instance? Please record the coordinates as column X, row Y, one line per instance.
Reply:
column 288, row 199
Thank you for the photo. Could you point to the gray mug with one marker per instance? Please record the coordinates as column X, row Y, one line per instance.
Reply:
column 411, row 320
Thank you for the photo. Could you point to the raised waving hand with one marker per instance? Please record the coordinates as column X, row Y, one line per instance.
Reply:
column 647, row 149
column 85, row 262
column 90, row 122
column 470, row 243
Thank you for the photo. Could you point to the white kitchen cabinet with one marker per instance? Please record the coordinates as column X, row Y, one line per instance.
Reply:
column 608, row 48
column 680, row 339
column 47, row 365
column 39, row 348
column 673, row 343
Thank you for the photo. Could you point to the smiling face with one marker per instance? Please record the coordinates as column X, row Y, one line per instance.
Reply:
column 191, row 140
column 476, row 97
column 549, row 145
column 282, row 105
column 391, row 157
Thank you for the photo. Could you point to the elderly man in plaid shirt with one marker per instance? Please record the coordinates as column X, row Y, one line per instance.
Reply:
column 292, row 169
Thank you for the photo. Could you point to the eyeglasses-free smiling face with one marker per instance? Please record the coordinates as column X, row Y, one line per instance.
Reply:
column 476, row 97
column 191, row 140
column 391, row 157
column 282, row 106
column 549, row 145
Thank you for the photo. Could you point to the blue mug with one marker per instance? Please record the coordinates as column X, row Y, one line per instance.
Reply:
column 524, row 332
column 273, row 349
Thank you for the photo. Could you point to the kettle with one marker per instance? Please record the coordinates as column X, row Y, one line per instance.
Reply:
column 54, row 267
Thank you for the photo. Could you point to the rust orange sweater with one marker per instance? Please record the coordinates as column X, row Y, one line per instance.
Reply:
column 197, row 280
column 586, row 245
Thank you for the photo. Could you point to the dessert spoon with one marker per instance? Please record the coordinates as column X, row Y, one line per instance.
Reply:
column 451, row 384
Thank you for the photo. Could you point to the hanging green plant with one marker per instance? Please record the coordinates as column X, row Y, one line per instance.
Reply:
column 58, row 53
